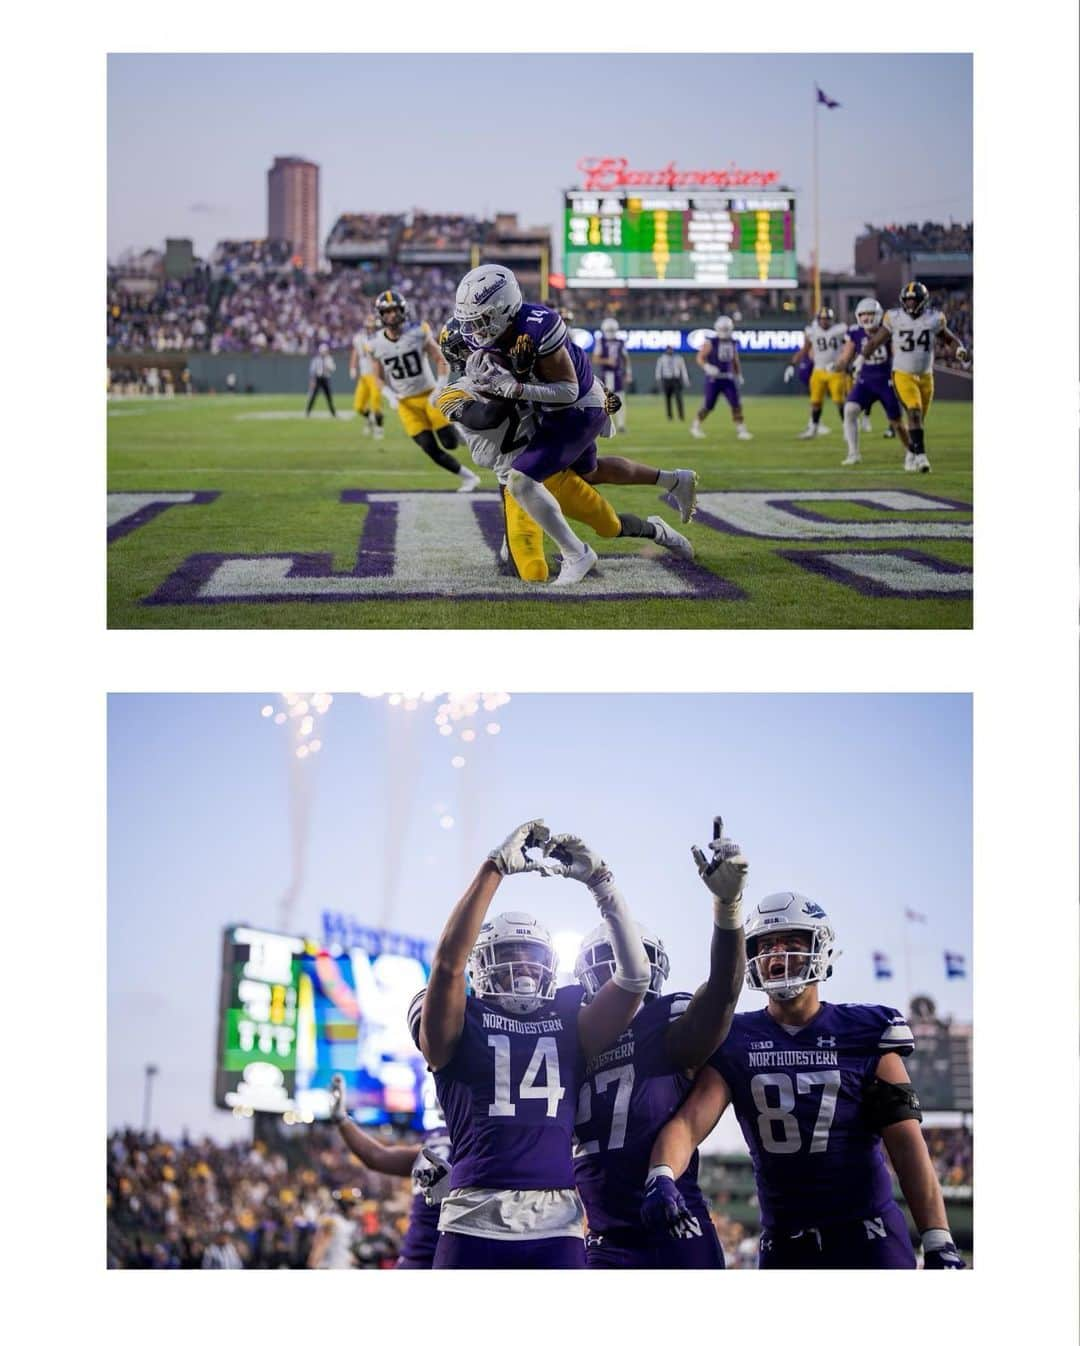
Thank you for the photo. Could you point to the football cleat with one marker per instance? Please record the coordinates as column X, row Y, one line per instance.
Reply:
column 571, row 572
column 808, row 433
column 469, row 481
column 683, row 495
column 823, row 429
column 851, row 458
column 696, row 430
column 888, row 433
column 909, row 461
column 741, row 432
column 667, row 537
column 922, row 463
column 914, row 297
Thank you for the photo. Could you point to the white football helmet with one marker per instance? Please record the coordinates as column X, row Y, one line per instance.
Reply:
column 610, row 327
column 513, row 963
column 486, row 300
column 780, row 913
column 723, row 326
column 595, row 962
column 869, row 313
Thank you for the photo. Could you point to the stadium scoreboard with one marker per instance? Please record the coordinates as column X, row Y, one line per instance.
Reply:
column 293, row 1013
column 680, row 240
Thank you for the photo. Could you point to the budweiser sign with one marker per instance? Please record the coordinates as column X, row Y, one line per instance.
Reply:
column 605, row 175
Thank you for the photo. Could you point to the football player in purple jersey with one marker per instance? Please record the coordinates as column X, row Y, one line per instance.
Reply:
column 525, row 354
column 509, row 1059
column 818, row 1089
column 613, row 365
column 633, row 1089
column 426, row 1162
column 719, row 358
column 873, row 379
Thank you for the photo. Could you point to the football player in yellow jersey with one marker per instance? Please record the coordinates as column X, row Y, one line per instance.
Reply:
column 823, row 341
column 402, row 358
column 913, row 329
column 496, row 431
column 366, row 399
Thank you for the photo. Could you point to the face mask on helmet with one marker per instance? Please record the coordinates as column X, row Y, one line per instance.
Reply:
column 868, row 315
column 609, row 327
column 595, row 963
column 486, row 301
column 724, row 327
column 518, row 972
column 784, row 973
column 826, row 317
column 453, row 345
column 914, row 298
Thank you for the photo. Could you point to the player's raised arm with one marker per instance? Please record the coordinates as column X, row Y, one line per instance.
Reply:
column 663, row 1207
column 374, row 1154
column 442, row 1016
column 609, row 1012
column 892, row 1107
column 702, row 1027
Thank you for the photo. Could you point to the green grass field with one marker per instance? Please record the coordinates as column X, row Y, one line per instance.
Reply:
column 279, row 483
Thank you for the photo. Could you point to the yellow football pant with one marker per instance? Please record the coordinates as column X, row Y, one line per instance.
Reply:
column 836, row 384
column 578, row 500
column 418, row 414
column 366, row 396
column 914, row 390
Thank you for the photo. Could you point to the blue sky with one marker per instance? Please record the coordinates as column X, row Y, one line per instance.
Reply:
column 190, row 137
column 863, row 802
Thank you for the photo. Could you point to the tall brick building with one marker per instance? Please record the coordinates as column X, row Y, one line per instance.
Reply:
column 292, row 206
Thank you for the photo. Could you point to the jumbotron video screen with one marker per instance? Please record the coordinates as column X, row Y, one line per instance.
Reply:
column 293, row 1014
column 679, row 240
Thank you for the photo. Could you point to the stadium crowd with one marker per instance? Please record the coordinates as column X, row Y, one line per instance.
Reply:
column 189, row 1204
column 175, row 316
column 181, row 1205
column 901, row 240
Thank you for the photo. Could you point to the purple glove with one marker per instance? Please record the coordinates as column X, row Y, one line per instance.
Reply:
column 940, row 1253
column 663, row 1210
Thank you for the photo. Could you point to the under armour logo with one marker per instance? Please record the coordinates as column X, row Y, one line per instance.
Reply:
column 827, row 1042
column 875, row 1229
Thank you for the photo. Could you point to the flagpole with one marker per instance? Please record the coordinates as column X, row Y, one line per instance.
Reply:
column 817, row 214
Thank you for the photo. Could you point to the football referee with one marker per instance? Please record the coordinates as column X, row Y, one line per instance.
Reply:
column 322, row 366
column 672, row 378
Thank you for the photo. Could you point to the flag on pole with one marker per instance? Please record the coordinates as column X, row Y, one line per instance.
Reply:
column 882, row 966
column 915, row 915
column 955, row 965
column 823, row 97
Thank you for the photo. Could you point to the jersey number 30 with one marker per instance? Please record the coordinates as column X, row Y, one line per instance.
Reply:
column 782, row 1113
column 546, row 1055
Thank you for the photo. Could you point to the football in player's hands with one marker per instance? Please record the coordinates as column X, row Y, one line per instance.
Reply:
column 338, row 1112
column 513, row 857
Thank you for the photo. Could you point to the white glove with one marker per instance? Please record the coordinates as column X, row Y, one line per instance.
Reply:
column 789, row 373
column 389, row 398
column 724, row 874
column 576, row 861
column 512, row 856
column 961, row 354
column 742, row 380
column 491, row 377
column 338, row 1114
column 713, row 371
column 572, row 859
